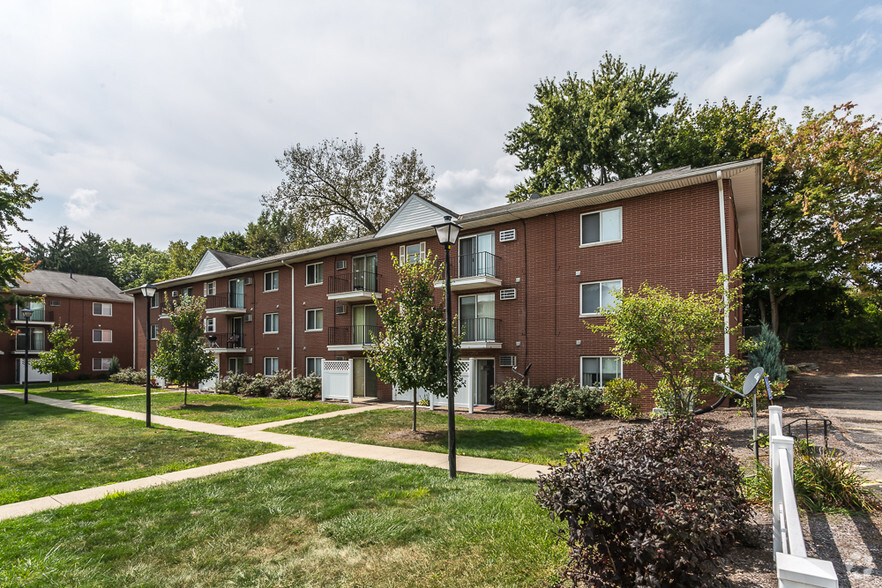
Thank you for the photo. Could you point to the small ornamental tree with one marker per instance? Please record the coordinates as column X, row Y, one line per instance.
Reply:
column 181, row 356
column 61, row 357
column 677, row 339
column 411, row 351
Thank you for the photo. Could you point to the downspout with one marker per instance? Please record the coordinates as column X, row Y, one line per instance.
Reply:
column 726, row 349
column 292, row 315
column 134, row 334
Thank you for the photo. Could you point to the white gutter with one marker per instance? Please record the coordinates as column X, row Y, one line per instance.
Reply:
column 285, row 263
column 726, row 349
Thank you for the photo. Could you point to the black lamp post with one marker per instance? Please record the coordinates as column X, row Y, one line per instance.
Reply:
column 27, row 312
column 447, row 233
column 148, row 290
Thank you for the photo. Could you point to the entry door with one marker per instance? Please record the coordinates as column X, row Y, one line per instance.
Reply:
column 364, row 324
column 485, row 378
column 235, row 332
column 364, row 380
column 237, row 294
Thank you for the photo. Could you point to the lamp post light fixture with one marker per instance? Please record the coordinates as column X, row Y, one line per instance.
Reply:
column 148, row 290
column 447, row 233
column 27, row 312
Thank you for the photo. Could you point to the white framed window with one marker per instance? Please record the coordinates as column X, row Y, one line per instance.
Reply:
column 211, row 325
column 413, row 253
column 598, row 371
column 154, row 301
column 604, row 226
column 315, row 274
column 188, row 291
column 271, row 322
column 271, row 281
column 314, row 319
column 102, row 336
column 270, row 366
column 235, row 365
column 100, row 364
column 102, row 309
column 154, row 332
column 595, row 296
column 209, row 288
column 314, row 366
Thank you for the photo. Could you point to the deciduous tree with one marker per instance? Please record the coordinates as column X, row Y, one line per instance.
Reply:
column 411, row 351
column 15, row 199
column 62, row 357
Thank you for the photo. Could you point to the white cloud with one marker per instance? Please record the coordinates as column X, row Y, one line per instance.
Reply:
column 871, row 13
column 472, row 189
column 199, row 16
column 81, row 204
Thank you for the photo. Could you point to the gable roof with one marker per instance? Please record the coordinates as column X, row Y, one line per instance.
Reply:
column 415, row 213
column 66, row 285
column 214, row 260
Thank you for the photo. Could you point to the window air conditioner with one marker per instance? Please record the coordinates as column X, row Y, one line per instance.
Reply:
column 507, row 235
column 508, row 361
column 508, row 294
column 248, row 318
column 249, row 360
column 340, row 309
column 248, row 281
column 341, row 264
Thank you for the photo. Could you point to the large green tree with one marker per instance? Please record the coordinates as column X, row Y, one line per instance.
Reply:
column 15, row 199
column 411, row 350
column 135, row 264
column 587, row 132
column 181, row 356
column 62, row 357
column 88, row 255
column 340, row 182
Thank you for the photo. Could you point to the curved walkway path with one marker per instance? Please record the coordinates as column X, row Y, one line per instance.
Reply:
column 298, row 446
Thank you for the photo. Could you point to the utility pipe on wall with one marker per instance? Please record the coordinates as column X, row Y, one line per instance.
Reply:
column 725, row 260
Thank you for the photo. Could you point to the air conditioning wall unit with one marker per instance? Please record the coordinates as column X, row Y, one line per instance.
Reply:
column 340, row 309
column 508, row 294
column 508, row 361
column 249, row 318
column 341, row 264
column 249, row 360
column 507, row 235
column 174, row 293
column 248, row 281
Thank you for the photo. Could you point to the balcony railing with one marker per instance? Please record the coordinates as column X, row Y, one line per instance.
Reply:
column 355, row 335
column 472, row 265
column 479, row 329
column 38, row 314
column 225, row 340
column 231, row 300
column 357, row 281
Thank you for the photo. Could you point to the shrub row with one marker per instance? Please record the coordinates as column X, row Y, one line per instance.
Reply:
column 280, row 385
column 566, row 398
column 130, row 376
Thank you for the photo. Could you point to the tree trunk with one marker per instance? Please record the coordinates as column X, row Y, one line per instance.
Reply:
column 762, row 309
column 773, row 310
column 414, row 409
column 185, row 394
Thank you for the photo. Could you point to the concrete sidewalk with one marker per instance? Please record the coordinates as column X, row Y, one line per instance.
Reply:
column 298, row 446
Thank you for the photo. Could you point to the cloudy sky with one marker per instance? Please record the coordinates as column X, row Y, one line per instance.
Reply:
column 161, row 120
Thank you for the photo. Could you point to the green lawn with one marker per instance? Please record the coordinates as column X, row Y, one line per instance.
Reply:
column 48, row 450
column 222, row 409
column 79, row 389
column 314, row 521
column 513, row 439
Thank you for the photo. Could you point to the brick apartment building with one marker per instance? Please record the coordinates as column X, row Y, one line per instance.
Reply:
column 525, row 277
column 100, row 317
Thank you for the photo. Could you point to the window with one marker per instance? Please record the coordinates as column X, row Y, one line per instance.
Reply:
column 314, row 366
column 209, row 289
column 235, row 365
column 598, row 295
column 314, row 274
column 38, row 311
column 271, row 281
column 187, row 291
column 477, row 317
column 602, row 227
column 154, row 332
column 102, row 309
column 271, row 322
column 210, row 325
column 476, row 256
column 102, row 336
column 154, row 302
column 38, row 340
column 100, row 364
column 412, row 253
column 364, row 273
column 270, row 366
column 364, row 324
column 598, row 371
column 55, row 303
column 314, row 319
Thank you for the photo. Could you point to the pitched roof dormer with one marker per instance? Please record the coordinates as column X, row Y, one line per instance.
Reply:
column 214, row 260
column 415, row 213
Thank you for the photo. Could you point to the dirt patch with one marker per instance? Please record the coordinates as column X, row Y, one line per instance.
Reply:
column 415, row 435
column 836, row 362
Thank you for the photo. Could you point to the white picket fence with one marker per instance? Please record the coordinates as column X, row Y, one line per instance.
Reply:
column 794, row 568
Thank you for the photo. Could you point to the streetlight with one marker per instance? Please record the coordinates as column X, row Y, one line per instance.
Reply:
column 27, row 312
column 148, row 290
column 447, row 233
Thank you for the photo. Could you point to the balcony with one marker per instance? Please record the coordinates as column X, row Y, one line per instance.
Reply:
column 39, row 316
column 232, row 303
column 473, row 271
column 351, row 338
column 480, row 333
column 354, row 287
column 225, row 342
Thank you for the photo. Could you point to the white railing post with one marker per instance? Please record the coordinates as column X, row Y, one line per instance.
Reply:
column 777, row 442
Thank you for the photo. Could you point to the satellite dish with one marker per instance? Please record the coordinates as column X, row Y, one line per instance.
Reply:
column 527, row 371
column 752, row 379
